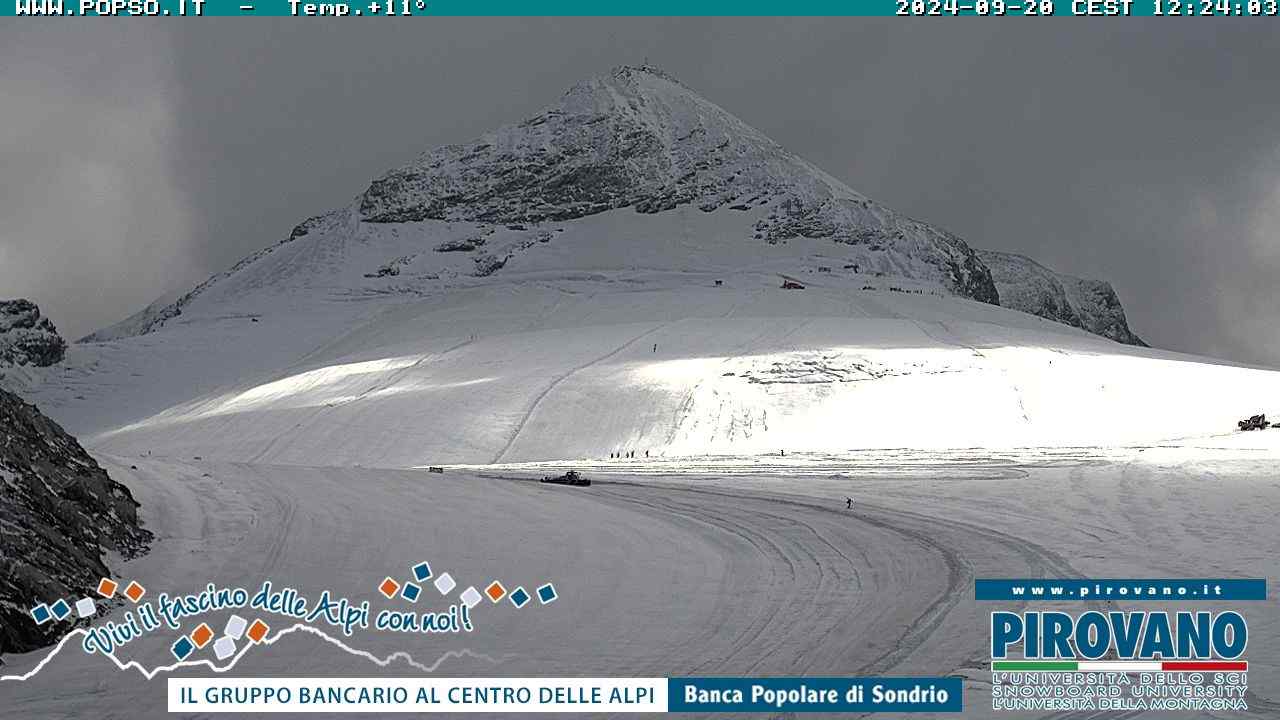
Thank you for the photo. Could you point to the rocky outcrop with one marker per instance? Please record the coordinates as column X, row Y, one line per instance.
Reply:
column 59, row 513
column 27, row 338
column 1091, row 305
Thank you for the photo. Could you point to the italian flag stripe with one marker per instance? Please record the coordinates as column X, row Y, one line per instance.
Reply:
column 1120, row 665
column 1197, row 665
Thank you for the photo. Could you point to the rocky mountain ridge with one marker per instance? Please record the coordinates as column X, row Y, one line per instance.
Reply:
column 59, row 513
column 1091, row 305
column 26, row 337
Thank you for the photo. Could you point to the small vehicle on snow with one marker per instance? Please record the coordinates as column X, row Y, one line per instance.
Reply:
column 1255, row 422
column 570, row 478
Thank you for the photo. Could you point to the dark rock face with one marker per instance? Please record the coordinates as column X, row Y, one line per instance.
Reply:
column 26, row 338
column 1102, row 313
column 1090, row 305
column 59, row 512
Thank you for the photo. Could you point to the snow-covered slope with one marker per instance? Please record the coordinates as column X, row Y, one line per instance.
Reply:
column 301, row 358
column 1092, row 305
column 606, row 277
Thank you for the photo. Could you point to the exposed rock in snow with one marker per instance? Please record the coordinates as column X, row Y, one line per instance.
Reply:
column 26, row 338
column 1091, row 305
column 488, row 264
column 59, row 511
column 460, row 244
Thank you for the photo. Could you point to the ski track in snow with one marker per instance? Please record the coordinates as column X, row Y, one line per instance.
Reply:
column 537, row 400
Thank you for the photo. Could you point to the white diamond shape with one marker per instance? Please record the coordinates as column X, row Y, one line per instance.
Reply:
column 224, row 648
column 470, row 597
column 85, row 607
column 235, row 627
column 445, row 583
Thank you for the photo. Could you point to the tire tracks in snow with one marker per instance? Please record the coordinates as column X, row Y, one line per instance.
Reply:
column 818, row 584
column 785, row 611
column 816, row 551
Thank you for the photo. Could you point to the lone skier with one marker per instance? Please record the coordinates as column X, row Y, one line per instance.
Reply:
column 848, row 502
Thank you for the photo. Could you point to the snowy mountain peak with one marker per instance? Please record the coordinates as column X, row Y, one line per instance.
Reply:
column 638, row 138
column 629, row 72
column 628, row 169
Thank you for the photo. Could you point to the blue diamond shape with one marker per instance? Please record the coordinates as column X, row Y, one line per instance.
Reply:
column 422, row 572
column 60, row 609
column 410, row 592
column 41, row 614
column 547, row 593
column 182, row 648
column 519, row 597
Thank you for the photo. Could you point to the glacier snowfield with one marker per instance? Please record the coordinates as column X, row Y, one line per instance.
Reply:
column 600, row 340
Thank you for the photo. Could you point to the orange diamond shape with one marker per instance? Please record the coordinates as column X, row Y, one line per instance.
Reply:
column 389, row 588
column 107, row 587
column 495, row 591
column 135, row 591
column 258, row 630
column 201, row 635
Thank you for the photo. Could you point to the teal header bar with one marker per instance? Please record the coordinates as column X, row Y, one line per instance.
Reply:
column 386, row 9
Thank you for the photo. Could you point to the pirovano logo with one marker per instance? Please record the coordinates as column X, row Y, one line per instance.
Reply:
column 1119, row 660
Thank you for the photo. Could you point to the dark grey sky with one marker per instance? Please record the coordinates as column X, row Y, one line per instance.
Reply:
column 138, row 158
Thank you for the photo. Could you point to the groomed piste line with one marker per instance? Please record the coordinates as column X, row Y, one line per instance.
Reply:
column 299, row 627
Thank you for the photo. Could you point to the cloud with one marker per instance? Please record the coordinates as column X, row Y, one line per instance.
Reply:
column 1248, row 291
column 92, row 224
